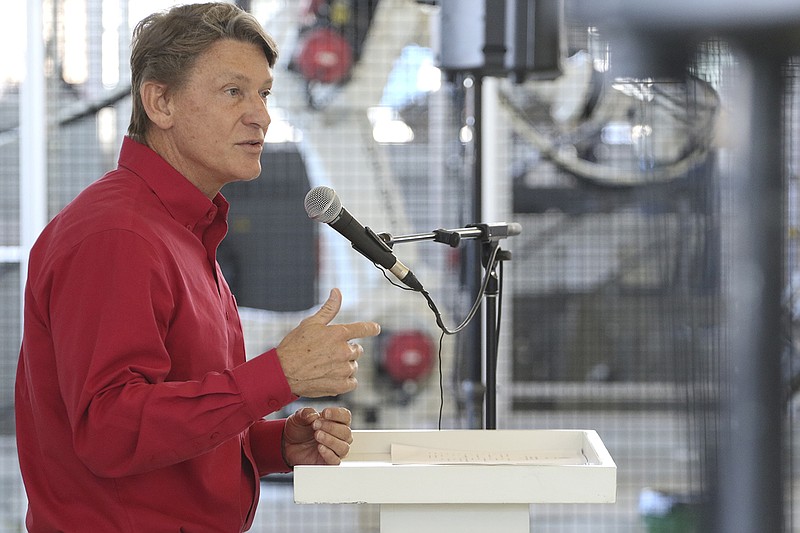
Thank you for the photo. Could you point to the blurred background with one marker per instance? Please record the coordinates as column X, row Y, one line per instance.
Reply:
column 622, row 141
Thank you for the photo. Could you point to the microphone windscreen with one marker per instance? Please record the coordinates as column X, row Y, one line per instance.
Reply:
column 322, row 204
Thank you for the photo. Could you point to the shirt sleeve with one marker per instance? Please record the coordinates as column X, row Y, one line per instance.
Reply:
column 110, row 304
column 266, row 438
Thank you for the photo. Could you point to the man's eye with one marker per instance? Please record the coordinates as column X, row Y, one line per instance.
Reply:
column 233, row 91
column 265, row 94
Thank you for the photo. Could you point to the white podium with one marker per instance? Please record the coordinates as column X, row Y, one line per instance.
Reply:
column 464, row 481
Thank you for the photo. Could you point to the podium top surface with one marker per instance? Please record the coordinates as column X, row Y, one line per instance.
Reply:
column 465, row 466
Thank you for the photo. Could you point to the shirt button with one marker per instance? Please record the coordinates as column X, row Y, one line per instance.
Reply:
column 210, row 215
column 189, row 227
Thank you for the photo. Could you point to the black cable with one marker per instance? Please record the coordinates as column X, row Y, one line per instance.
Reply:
column 490, row 265
column 441, row 381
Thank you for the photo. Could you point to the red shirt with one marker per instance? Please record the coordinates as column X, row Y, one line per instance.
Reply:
column 136, row 410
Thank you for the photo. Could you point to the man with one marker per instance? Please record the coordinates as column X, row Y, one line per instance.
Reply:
column 136, row 409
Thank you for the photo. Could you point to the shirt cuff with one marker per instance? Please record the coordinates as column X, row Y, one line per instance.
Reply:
column 266, row 442
column 263, row 384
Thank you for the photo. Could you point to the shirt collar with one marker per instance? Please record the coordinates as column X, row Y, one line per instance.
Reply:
column 184, row 201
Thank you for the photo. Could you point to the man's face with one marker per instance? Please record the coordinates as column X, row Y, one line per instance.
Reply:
column 220, row 116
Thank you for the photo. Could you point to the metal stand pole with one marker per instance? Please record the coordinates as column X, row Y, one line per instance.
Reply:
column 474, row 391
column 491, row 305
column 750, row 478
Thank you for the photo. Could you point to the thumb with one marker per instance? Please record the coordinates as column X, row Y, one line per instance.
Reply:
column 296, row 429
column 306, row 416
column 329, row 309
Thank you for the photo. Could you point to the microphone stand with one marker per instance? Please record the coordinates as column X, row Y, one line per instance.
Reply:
column 491, row 255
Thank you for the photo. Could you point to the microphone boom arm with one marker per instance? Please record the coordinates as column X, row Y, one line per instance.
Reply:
column 452, row 237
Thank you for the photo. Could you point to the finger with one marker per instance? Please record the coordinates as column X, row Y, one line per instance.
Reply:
column 356, row 351
column 350, row 384
column 329, row 456
column 329, row 309
column 345, row 371
column 330, row 432
column 337, row 414
column 360, row 330
column 340, row 447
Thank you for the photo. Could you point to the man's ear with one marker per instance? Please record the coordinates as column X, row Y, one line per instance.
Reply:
column 156, row 100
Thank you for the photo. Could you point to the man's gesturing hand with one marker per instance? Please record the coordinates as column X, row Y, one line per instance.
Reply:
column 318, row 358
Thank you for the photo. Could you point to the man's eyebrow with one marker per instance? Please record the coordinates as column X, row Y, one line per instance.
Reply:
column 239, row 77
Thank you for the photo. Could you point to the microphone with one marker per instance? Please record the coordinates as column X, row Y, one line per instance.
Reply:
column 323, row 205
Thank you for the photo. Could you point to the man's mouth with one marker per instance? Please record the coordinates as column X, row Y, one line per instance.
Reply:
column 253, row 145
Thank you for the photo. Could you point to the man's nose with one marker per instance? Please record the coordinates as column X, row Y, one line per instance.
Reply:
column 259, row 114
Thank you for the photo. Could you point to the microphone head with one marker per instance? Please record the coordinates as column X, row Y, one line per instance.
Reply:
column 322, row 204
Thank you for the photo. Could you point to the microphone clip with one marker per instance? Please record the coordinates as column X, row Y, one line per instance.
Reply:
column 495, row 231
column 384, row 240
column 377, row 239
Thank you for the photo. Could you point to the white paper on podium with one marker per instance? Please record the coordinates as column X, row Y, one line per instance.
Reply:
column 403, row 454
